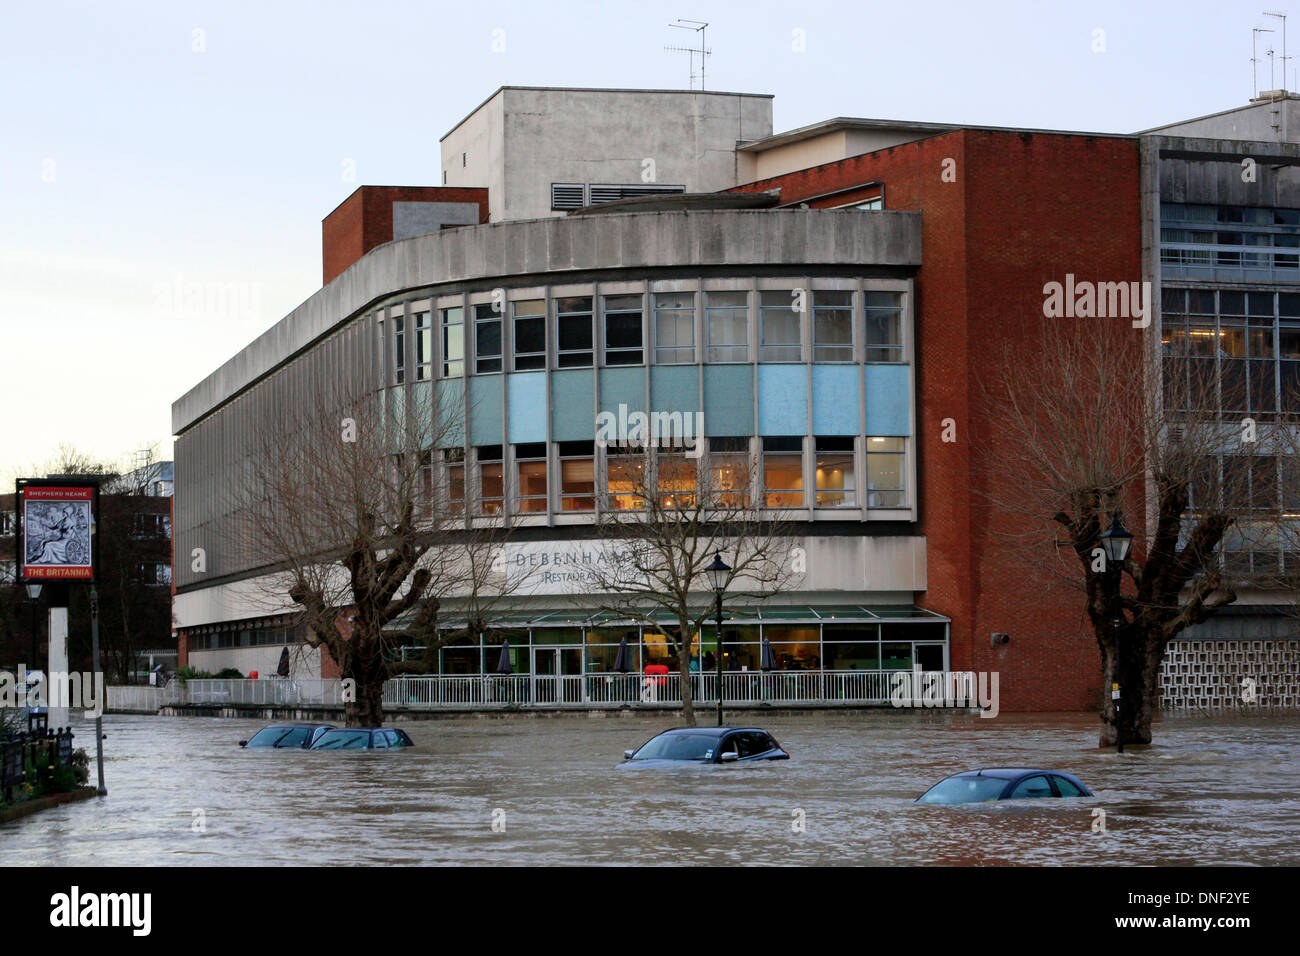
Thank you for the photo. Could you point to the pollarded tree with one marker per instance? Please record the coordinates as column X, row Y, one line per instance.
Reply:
column 1086, row 426
column 358, row 517
column 663, row 518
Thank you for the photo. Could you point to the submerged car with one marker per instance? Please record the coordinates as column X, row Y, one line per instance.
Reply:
column 300, row 736
column 1004, row 783
column 362, row 738
column 705, row 745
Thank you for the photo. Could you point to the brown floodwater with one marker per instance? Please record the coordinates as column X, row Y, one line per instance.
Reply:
column 1221, row 791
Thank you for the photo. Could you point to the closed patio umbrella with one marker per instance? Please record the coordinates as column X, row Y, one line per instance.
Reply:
column 767, row 658
column 503, row 662
column 621, row 663
column 282, row 669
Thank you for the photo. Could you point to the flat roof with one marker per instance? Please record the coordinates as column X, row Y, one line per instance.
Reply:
column 595, row 89
column 840, row 123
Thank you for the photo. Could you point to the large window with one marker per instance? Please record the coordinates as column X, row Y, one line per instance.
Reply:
column 835, row 473
column 577, row 475
column 625, row 478
column 884, row 326
column 530, row 474
column 454, row 470
column 423, row 346
column 780, row 326
column 623, row 338
column 573, row 321
column 453, row 343
column 487, row 339
column 783, row 472
column 885, row 470
column 530, row 333
column 832, row 326
column 729, row 472
column 674, row 328
column 491, row 480
column 675, row 479
column 727, row 323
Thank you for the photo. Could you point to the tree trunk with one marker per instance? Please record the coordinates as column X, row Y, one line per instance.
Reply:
column 684, row 681
column 1139, row 679
column 363, row 662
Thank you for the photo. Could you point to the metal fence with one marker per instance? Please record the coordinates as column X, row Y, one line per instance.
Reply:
column 33, row 758
column 450, row 692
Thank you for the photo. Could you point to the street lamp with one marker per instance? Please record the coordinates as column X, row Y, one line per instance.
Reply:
column 718, row 573
column 1115, row 542
column 34, row 595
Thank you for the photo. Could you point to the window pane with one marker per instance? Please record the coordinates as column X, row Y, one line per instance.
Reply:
column 885, row 460
column 674, row 327
column 833, row 326
column 453, row 343
column 577, row 484
column 574, row 330
column 884, row 326
column 780, row 327
column 530, row 333
column 782, row 477
column 623, row 330
column 487, row 339
column 835, row 479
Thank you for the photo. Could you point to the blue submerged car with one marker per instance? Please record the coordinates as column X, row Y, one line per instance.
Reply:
column 362, row 738
column 1004, row 783
column 687, row 746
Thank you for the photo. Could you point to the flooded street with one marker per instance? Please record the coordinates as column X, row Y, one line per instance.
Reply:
column 1218, row 791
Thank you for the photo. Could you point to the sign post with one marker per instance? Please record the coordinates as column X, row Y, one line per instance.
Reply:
column 58, row 546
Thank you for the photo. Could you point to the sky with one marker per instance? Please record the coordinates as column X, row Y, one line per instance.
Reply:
column 152, row 150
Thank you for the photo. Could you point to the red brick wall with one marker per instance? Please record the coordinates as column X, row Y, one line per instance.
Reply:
column 1024, row 209
column 365, row 220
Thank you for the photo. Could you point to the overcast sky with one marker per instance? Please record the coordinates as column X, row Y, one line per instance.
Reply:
column 148, row 146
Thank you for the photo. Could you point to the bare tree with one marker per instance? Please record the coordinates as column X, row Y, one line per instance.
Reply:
column 1086, row 426
column 663, row 518
column 358, row 517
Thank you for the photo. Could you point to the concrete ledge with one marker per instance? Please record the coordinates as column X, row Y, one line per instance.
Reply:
column 44, row 803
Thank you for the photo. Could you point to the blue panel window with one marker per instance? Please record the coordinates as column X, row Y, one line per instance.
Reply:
column 884, row 326
column 885, row 471
column 832, row 326
column 573, row 322
column 453, row 343
column 487, row 339
column 624, row 342
column 674, row 328
column 726, row 321
column 780, row 326
column 530, row 334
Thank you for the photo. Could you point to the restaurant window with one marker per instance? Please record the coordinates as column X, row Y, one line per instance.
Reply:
column 676, row 479
column 487, row 338
column 674, row 328
column 783, row 472
column 453, row 342
column 491, row 480
column 727, row 326
column 454, row 470
column 573, row 321
column 884, row 326
column 832, row 326
column 885, row 461
column 399, row 349
column 625, row 468
column 530, row 472
column 623, row 339
column 423, row 346
column 780, row 326
column 577, row 475
column 835, row 473
column 729, row 472
column 530, row 333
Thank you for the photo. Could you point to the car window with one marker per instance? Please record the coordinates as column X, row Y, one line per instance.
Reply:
column 343, row 740
column 380, row 741
column 672, row 746
column 398, row 738
column 964, row 790
column 296, row 737
column 1067, row 789
column 1035, row 786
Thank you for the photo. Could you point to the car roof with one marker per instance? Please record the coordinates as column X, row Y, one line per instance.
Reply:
column 1007, row 773
column 279, row 726
column 708, row 731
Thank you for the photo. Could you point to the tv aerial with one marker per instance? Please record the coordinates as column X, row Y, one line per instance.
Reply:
column 699, row 27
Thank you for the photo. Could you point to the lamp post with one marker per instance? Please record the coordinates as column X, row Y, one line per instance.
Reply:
column 1115, row 542
column 34, row 595
column 718, row 573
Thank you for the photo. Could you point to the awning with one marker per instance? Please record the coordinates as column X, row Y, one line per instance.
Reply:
column 733, row 614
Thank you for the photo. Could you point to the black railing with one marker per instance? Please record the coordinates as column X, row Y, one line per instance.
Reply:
column 33, row 758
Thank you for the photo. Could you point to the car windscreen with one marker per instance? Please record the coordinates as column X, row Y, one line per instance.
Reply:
column 343, row 740
column 678, row 747
column 280, row 737
column 964, row 790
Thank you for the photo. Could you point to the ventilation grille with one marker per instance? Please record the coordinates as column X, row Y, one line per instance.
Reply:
column 568, row 195
column 602, row 193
